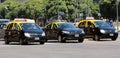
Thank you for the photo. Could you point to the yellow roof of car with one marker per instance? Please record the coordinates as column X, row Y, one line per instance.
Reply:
column 88, row 20
column 59, row 22
column 19, row 22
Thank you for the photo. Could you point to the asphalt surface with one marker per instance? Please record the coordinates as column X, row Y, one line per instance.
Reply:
column 71, row 49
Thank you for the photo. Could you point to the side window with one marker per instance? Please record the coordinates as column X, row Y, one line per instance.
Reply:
column 54, row 26
column 2, row 26
column 91, row 25
column 16, row 27
column 10, row 26
column 49, row 26
column 82, row 24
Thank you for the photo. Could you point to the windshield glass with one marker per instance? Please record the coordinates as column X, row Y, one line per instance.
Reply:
column 66, row 25
column 102, row 24
column 29, row 26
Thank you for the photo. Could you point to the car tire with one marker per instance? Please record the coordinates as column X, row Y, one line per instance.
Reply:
column 96, row 38
column 113, row 38
column 6, row 40
column 60, row 39
column 42, row 42
column 80, row 40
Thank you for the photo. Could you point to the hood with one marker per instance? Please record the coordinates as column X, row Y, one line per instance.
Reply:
column 72, row 29
column 34, row 31
column 107, row 28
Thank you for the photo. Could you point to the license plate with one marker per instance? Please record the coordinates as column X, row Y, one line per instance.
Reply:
column 111, row 34
column 36, row 38
column 76, row 35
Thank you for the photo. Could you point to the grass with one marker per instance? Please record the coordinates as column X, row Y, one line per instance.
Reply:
column 115, row 24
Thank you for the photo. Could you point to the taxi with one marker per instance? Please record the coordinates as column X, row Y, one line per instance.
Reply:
column 23, row 32
column 63, row 31
column 98, row 29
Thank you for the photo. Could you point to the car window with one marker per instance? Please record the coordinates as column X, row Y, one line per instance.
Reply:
column 16, row 27
column 29, row 26
column 54, row 26
column 2, row 26
column 66, row 25
column 102, row 24
column 91, row 25
column 49, row 26
column 10, row 26
column 82, row 24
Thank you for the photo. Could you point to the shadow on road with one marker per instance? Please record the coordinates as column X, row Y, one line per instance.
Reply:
column 1, row 39
column 101, row 40
column 67, row 41
column 16, row 43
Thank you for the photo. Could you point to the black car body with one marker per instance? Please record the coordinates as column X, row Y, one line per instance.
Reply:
column 98, row 29
column 24, row 32
column 63, row 31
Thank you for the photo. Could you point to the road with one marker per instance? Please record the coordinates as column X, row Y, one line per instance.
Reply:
column 53, row 49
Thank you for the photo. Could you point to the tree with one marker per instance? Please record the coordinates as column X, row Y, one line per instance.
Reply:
column 29, row 9
column 108, row 8
column 35, row 9
column 6, row 9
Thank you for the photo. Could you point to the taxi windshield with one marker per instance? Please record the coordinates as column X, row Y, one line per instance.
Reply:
column 29, row 26
column 66, row 26
column 102, row 24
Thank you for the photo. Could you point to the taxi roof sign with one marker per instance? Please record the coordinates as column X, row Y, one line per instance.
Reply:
column 89, row 17
column 24, row 20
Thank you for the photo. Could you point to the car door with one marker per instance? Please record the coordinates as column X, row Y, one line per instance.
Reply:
column 16, row 32
column 82, row 25
column 90, row 28
column 48, row 31
column 55, row 31
column 8, row 31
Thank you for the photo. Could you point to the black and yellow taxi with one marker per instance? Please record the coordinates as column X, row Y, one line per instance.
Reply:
column 24, row 32
column 63, row 31
column 98, row 29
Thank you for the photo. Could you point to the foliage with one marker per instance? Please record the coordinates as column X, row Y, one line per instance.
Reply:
column 35, row 9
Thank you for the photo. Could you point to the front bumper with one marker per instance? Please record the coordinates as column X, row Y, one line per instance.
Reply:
column 35, row 39
column 73, row 36
column 109, row 35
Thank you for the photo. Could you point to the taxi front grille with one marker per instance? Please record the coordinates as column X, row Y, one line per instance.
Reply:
column 110, row 31
column 35, row 34
column 75, row 32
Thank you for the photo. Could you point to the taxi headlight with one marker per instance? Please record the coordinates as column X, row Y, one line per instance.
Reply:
column 43, row 34
column 102, row 31
column 82, row 32
column 27, row 34
column 116, row 31
column 66, row 32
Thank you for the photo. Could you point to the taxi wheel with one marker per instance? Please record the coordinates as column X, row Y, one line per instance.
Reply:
column 6, row 40
column 42, row 42
column 96, row 38
column 80, row 40
column 113, row 39
column 60, row 39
